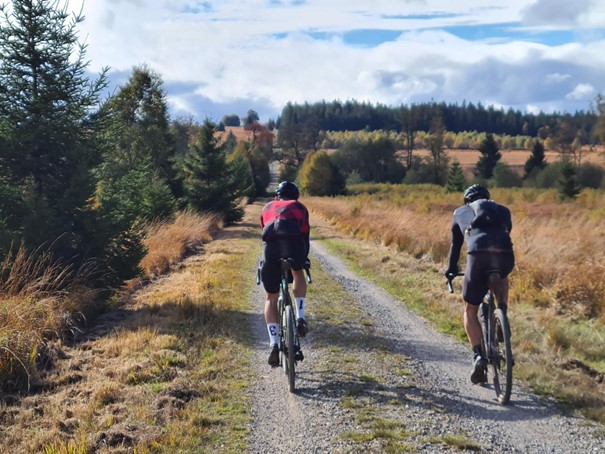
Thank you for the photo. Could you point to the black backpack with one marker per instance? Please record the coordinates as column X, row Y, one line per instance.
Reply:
column 487, row 215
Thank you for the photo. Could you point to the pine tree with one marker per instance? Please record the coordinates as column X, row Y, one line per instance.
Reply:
column 208, row 181
column 489, row 157
column 568, row 182
column 455, row 178
column 536, row 160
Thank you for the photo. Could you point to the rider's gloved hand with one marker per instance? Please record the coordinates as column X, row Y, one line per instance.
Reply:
column 452, row 270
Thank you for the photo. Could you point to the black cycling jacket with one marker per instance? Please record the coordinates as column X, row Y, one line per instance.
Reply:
column 486, row 239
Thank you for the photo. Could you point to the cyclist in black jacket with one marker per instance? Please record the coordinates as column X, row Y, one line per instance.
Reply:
column 486, row 227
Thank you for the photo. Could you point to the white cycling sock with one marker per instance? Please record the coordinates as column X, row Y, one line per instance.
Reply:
column 300, row 307
column 273, row 334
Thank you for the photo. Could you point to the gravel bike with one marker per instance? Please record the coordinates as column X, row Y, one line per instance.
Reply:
column 496, row 343
column 289, row 341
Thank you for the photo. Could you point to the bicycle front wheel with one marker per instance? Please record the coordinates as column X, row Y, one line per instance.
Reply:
column 290, row 353
column 502, row 360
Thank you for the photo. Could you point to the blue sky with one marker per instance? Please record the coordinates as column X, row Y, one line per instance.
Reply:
column 219, row 57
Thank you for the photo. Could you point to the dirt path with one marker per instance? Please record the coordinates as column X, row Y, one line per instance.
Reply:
column 434, row 407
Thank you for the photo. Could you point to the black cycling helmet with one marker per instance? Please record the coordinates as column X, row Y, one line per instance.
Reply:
column 287, row 191
column 475, row 192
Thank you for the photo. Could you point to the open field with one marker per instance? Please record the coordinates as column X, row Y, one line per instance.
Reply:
column 514, row 158
column 238, row 131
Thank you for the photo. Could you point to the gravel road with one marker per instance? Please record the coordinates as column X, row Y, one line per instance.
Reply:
column 441, row 401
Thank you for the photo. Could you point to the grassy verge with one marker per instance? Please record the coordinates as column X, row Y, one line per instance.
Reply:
column 38, row 300
column 168, row 242
column 43, row 301
column 169, row 373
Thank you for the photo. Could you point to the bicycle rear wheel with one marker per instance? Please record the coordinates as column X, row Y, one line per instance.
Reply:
column 290, row 353
column 502, row 360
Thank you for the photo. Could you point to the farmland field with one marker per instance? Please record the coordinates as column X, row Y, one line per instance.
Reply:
column 514, row 158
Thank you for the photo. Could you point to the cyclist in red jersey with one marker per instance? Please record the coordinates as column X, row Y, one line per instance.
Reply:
column 285, row 224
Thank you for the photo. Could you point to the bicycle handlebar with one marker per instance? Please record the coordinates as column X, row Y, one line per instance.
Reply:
column 450, row 277
column 308, row 273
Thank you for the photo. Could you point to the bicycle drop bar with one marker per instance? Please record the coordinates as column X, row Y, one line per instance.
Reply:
column 308, row 272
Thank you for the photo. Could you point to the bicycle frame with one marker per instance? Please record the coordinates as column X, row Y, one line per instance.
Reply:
column 495, row 333
column 289, row 342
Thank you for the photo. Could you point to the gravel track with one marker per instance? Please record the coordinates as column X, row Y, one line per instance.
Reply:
column 441, row 401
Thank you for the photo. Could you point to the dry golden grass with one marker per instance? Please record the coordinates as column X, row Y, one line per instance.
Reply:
column 38, row 297
column 468, row 158
column 559, row 247
column 168, row 242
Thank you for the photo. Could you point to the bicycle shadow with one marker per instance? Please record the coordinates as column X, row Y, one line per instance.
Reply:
column 327, row 385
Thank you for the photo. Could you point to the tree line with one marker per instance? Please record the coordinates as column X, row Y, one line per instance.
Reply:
column 390, row 156
column 354, row 115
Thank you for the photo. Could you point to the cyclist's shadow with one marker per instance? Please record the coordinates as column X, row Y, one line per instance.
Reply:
column 328, row 385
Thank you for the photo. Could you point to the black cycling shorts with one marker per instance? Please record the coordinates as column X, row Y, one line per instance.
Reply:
column 294, row 248
column 478, row 267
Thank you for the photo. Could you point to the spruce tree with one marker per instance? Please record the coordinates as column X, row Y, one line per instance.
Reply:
column 139, row 148
column 490, row 155
column 568, row 182
column 46, row 99
column 455, row 178
column 139, row 128
column 536, row 160
column 208, row 180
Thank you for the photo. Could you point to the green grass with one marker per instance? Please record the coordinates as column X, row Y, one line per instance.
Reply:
column 458, row 441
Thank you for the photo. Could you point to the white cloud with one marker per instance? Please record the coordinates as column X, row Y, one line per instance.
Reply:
column 261, row 54
column 556, row 78
column 582, row 92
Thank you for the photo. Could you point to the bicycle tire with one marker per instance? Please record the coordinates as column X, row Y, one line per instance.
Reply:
column 502, row 360
column 483, row 315
column 290, row 351
column 282, row 336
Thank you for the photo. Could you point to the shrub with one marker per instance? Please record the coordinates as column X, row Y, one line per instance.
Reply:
column 506, row 177
column 318, row 176
column 591, row 175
